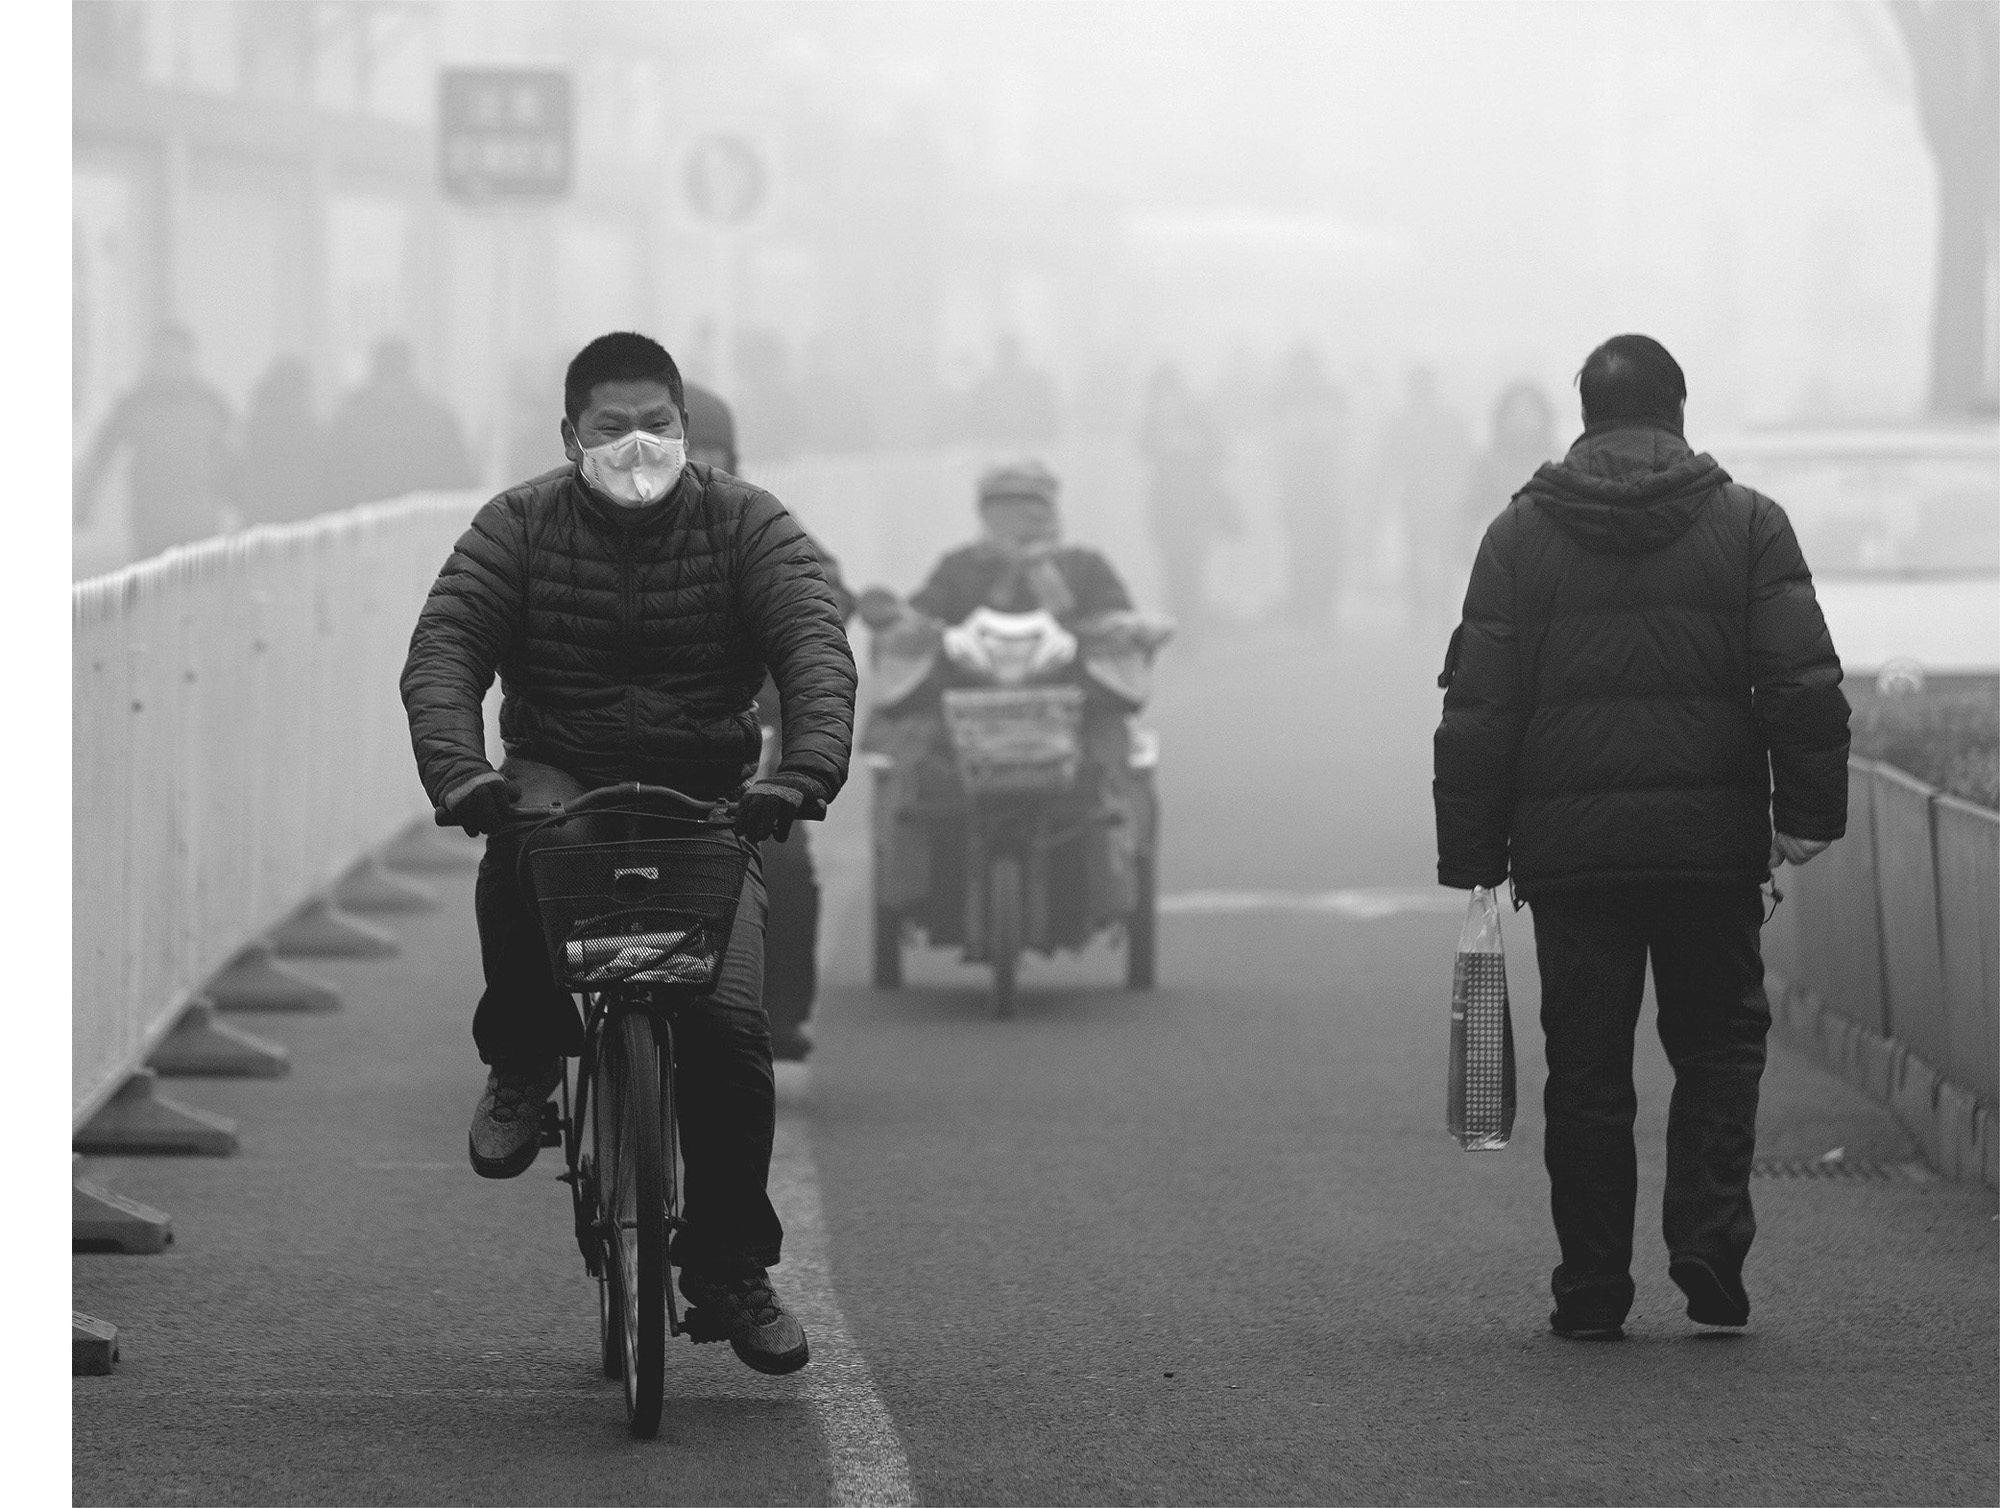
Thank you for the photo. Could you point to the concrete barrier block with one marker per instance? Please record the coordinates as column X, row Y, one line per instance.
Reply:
column 102, row 1220
column 372, row 886
column 256, row 981
column 1913, row 1100
column 427, row 846
column 93, row 1346
column 1966, row 1124
column 1988, row 1132
column 138, row 1120
column 1881, row 1064
column 200, row 1046
column 320, row 929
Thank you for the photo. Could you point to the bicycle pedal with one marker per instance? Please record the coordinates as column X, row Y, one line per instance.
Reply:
column 552, row 1125
column 701, row 1325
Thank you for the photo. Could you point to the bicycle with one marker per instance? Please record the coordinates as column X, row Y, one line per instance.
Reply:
column 636, row 926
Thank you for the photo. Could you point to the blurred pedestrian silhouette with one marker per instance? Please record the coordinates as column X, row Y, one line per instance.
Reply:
column 1308, row 418
column 391, row 437
column 277, row 476
column 1189, row 508
column 1524, row 436
column 534, row 441
column 176, row 429
column 1012, row 403
column 1420, row 479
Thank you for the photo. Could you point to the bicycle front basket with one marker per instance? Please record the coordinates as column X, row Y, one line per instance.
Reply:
column 1016, row 741
column 649, row 911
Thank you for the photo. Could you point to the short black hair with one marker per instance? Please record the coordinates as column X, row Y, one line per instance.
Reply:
column 621, row 356
column 1631, row 377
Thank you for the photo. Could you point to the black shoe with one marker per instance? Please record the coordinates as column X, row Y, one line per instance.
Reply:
column 507, row 1125
column 1712, row 1298
column 1581, row 1327
column 790, row 1044
column 742, row 1309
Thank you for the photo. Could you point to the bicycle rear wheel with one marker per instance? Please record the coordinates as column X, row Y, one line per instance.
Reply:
column 633, row 1180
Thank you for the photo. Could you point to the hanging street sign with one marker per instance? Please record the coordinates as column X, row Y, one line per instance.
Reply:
column 504, row 133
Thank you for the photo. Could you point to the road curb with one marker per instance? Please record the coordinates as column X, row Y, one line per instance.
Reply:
column 1953, row 1126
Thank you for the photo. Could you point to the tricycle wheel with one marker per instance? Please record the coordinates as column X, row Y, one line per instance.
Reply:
column 1142, row 928
column 888, row 948
column 1003, row 931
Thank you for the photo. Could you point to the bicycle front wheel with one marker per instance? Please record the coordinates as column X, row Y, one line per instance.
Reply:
column 628, row 1129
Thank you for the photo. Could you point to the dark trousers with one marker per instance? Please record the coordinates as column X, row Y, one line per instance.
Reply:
column 1708, row 978
column 791, row 969
column 724, row 1091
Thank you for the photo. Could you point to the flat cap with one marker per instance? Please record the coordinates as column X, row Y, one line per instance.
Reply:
column 1018, row 479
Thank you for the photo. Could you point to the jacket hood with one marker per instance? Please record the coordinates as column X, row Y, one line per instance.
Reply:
column 1626, row 488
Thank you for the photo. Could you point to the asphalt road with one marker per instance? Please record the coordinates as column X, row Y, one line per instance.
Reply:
column 1205, row 1245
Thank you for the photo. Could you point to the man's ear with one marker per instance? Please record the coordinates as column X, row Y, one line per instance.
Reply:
column 572, row 446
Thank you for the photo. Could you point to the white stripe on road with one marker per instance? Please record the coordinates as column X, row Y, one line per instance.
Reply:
column 1354, row 905
column 862, row 1446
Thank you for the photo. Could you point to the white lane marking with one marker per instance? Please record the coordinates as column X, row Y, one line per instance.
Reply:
column 1354, row 905
column 862, row 1446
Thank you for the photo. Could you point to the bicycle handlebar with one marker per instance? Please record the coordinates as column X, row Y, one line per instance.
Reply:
column 717, row 813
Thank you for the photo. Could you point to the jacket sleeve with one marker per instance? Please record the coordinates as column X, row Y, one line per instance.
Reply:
column 945, row 595
column 795, row 622
column 843, row 597
column 1795, row 683
column 1098, row 589
column 1477, row 744
column 465, row 627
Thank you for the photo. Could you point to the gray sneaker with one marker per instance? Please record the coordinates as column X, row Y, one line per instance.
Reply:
column 507, row 1127
column 742, row 1309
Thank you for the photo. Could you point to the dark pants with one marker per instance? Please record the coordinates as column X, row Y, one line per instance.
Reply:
column 791, row 969
column 1708, row 978
column 723, row 1086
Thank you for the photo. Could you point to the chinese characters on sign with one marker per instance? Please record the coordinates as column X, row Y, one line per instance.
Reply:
column 504, row 133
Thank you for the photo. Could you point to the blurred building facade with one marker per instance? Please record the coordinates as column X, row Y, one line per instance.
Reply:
column 1080, row 189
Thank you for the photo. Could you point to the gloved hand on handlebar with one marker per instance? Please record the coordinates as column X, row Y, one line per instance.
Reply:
column 1055, row 650
column 965, row 647
column 768, row 807
column 486, row 808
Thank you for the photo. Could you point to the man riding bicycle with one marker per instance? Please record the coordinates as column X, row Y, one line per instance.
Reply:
column 631, row 603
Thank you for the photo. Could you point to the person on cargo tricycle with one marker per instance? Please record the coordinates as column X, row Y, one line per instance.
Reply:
column 1014, row 804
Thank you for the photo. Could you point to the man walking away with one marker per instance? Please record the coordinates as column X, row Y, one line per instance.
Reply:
column 1641, row 690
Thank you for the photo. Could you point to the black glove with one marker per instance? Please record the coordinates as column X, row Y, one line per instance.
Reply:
column 768, row 808
column 486, row 808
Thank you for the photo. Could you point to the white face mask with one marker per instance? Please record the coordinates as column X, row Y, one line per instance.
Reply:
column 635, row 469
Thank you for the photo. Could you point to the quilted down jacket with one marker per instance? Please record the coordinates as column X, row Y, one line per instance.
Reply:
column 630, row 643
column 1641, row 682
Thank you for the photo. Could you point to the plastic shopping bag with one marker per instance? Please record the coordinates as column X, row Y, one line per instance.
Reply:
column 1479, row 1109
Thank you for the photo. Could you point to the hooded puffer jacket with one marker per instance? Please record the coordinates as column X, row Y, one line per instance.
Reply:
column 630, row 643
column 1641, row 683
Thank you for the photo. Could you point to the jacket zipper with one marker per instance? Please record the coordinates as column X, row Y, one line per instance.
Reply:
column 625, row 618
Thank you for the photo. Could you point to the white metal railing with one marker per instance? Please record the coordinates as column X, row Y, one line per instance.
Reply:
column 237, row 744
